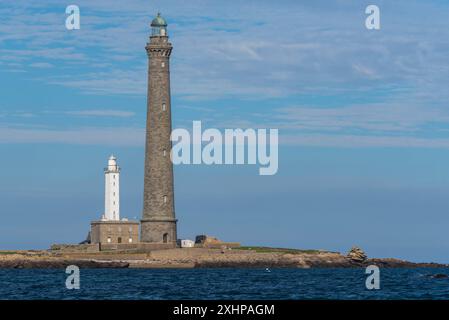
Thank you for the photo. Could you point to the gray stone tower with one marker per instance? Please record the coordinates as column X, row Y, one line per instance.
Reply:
column 158, row 224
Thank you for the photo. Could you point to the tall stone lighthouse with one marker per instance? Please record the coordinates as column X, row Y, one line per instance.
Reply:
column 158, row 224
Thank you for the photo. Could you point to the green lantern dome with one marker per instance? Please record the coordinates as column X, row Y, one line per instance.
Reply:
column 158, row 21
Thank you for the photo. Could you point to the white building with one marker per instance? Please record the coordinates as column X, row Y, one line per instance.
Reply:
column 112, row 191
column 186, row 243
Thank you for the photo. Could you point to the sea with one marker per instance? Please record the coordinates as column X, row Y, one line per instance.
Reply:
column 229, row 284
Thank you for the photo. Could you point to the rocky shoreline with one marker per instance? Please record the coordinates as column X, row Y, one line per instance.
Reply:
column 59, row 264
column 202, row 258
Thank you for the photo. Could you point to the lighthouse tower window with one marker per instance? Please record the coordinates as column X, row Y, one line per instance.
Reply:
column 164, row 107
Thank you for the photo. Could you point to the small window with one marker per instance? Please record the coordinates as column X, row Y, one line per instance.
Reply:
column 130, row 240
column 164, row 107
column 165, row 152
column 165, row 199
column 109, row 240
column 119, row 240
column 163, row 64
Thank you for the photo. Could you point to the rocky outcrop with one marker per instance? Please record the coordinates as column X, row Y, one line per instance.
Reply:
column 356, row 255
column 204, row 258
column 58, row 264
column 397, row 263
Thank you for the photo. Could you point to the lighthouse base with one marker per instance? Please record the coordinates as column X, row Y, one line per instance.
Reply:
column 159, row 231
column 114, row 232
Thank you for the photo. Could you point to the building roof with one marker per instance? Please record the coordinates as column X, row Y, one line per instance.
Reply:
column 158, row 21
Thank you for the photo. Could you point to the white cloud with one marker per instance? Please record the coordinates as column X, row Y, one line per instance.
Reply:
column 132, row 137
column 223, row 51
column 106, row 82
column 240, row 50
column 390, row 117
column 102, row 113
column 41, row 65
column 358, row 141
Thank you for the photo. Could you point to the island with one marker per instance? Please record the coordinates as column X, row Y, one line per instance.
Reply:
column 200, row 257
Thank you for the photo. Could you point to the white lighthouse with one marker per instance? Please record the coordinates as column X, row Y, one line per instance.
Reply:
column 112, row 191
column 111, row 232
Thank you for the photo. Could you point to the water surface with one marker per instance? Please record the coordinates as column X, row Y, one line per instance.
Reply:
column 223, row 284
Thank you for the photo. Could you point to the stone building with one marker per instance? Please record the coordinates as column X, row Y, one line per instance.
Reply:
column 158, row 224
column 114, row 232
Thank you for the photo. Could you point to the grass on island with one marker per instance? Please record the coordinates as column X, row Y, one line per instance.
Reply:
column 277, row 250
column 8, row 252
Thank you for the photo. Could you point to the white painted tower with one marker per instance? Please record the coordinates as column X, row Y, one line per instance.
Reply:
column 112, row 191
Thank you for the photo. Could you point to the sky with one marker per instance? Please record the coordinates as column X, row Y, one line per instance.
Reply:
column 363, row 120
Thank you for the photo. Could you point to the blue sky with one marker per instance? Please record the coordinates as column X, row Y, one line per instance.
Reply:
column 363, row 119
